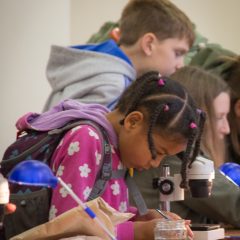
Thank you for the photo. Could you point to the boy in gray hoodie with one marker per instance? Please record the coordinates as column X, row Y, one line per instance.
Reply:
column 154, row 35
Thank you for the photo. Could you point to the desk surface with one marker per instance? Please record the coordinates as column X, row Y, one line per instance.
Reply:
column 234, row 233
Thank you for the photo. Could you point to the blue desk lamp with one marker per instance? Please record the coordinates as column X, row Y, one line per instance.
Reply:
column 231, row 171
column 36, row 173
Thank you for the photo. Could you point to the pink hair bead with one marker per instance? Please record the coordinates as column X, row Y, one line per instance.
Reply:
column 193, row 125
column 166, row 108
column 161, row 82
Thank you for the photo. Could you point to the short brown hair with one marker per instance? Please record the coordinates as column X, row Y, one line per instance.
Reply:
column 160, row 17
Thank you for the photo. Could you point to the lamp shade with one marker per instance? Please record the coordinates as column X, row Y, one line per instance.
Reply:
column 34, row 173
column 231, row 171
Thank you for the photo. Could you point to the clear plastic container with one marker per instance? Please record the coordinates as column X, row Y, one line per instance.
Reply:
column 171, row 230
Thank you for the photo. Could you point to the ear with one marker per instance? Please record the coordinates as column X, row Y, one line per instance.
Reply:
column 115, row 34
column 133, row 120
column 237, row 108
column 147, row 43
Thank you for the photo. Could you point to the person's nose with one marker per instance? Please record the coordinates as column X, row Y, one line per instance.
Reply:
column 225, row 128
column 180, row 63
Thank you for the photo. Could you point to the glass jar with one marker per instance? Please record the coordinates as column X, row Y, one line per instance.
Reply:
column 170, row 229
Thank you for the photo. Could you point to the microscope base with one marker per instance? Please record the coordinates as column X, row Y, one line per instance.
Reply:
column 210, row 234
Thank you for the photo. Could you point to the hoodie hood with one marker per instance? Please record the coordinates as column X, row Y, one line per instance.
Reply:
column 70, row 65
column 88, row 73
column 65, row 112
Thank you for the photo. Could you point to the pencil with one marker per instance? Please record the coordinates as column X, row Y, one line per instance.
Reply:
column 163, row 214
column 131, row 172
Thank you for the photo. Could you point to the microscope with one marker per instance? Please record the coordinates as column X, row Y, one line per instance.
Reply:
column 200, row 175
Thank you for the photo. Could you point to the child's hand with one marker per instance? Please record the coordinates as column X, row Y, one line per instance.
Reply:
column 187, row 223
column 153, row 214
column 5, row 209
column 189, row 231
column 9, row 208
column 144, row 230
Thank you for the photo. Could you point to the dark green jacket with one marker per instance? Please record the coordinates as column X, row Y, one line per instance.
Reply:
column 212, row 58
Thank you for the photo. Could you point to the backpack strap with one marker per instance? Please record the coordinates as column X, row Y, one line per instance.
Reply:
column 136, row 195
column 68, row 126
column 105, row 172
column 133, row 189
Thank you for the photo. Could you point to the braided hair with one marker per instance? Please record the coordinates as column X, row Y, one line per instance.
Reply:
column 169, row 110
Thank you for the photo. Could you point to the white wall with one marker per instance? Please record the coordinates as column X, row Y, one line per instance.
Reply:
column 218, row 20
column 28, row 28
column 88, row 15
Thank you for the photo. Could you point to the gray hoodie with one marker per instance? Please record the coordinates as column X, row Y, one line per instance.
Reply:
column 87, row 76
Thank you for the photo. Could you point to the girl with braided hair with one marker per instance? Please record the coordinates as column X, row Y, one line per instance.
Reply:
column 171, row 123
column 155, row 117
column 211, row 94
